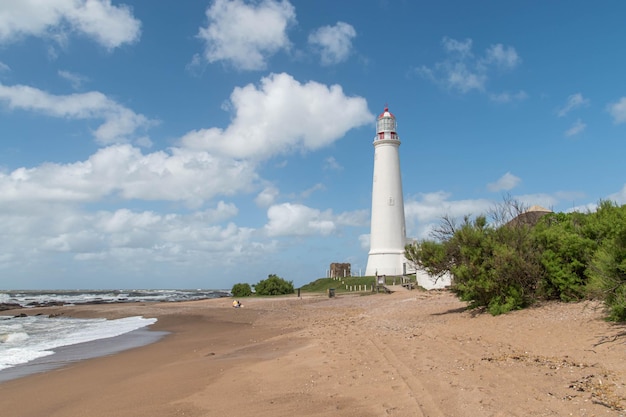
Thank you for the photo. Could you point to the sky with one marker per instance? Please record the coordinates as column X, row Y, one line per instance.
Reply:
column 198, row 144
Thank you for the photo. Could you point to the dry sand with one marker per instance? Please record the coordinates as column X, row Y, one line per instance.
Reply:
column 404, row 354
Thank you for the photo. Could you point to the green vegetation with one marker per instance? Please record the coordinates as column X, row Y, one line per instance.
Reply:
column 491, row 267
column 324, row 284
column 511, row 263
column 566, row 252
column 607, row 270
column 241, row 290
column 274, row 285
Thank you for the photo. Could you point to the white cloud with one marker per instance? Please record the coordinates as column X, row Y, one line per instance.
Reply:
column 618, row 197
column 290, row 219
column 76, row 80
column 618, row 110
column 121, row 170
column 576, row 128
column 502, row 56
column 544, row 200
column 506, row 182
column 4, row 67
column 462, row 71
column 459, row 77
column 506, row 97
column 245, row 35
column 462, row 48
column 298, row 220
column 331, row 164
column 120, row 123
column 364, row 241
column 109, row 25
column 574, row 101
column 584, row 208
column 281, row 116
column 357, row 218
column 267, row 196
column 309, row 191
column 432, row 206
column 334, row 43
column 129, row 240
column 425, row 212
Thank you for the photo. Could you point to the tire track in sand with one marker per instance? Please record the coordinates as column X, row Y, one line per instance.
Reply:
column 424, row 403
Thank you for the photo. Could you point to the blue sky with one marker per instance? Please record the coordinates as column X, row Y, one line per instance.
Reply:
column 198, row 144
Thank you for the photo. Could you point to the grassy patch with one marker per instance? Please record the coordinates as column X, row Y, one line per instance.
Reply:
column 323, row 284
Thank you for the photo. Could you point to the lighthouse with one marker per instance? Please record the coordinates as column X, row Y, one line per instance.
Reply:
column 388, row 230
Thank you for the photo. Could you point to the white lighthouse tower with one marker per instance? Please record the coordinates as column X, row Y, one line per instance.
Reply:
column 388, row 230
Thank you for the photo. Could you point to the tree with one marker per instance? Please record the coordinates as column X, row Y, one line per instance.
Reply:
column 241, row 290
column 274, row 285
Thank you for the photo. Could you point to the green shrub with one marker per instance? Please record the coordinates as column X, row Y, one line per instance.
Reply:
column 274, row 285
column 501, row 271
column 495, row 268
column 241, row 290
column 565, row 256
column 608, row 275
column 566, row 250
column 512, row 300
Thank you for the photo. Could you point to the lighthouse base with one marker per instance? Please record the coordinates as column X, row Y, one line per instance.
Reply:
column 387, row 263
column 395, row 264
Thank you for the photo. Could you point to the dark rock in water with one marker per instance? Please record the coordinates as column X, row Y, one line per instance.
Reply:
column 9, row 306
column 45, row 304
column 20, row 315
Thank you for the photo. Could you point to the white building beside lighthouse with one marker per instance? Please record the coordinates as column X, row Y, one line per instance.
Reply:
column 388, row 230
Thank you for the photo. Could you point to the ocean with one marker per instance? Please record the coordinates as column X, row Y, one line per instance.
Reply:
column 38, row 343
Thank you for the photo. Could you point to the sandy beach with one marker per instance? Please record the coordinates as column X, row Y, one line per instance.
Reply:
column 405, row 354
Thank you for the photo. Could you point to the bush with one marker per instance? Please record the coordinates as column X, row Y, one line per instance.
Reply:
column 608, row 275
column 494, row 268
column 511, row 263
column 274, row 285
column 566, row 250
column 241, row 290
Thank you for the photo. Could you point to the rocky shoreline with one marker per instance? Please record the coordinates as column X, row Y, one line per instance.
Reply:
column 9, row 306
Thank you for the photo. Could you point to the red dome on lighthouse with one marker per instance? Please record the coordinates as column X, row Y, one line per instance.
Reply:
column 386, row 113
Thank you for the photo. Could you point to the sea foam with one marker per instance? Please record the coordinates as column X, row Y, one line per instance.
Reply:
column 24, row 339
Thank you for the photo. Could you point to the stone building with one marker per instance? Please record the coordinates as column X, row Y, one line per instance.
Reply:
column 338, row 270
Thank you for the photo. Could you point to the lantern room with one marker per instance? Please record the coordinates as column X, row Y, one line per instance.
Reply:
column 386, row 126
